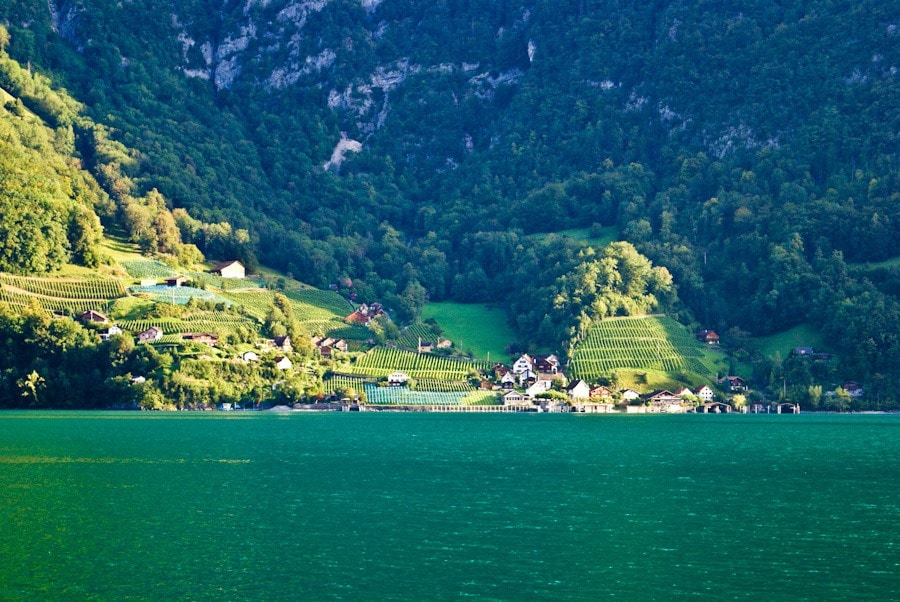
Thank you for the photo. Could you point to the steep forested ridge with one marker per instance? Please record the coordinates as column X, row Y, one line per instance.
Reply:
column 748, row 147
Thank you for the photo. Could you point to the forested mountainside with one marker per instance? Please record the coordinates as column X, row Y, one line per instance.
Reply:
column 406, row 150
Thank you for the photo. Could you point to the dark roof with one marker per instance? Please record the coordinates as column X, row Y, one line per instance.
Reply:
column 226, row 264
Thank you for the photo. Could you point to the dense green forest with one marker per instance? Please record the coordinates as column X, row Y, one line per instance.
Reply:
column 749, row 148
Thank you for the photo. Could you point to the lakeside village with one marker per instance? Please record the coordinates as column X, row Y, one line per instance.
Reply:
column 532, row 383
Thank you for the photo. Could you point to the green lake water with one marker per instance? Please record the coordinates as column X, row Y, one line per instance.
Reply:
column 138, row 506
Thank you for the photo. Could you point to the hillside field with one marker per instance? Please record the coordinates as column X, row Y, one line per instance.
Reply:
column 644, row 353
column 782, row 343
column 478, row 328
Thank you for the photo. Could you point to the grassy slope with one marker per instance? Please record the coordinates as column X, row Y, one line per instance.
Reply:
column 803, row 335
column 479, row 328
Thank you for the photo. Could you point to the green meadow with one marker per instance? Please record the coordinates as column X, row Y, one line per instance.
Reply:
column 803, row 335
column 481, row 329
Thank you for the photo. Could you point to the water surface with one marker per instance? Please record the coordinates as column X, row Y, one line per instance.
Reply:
column 138, row 506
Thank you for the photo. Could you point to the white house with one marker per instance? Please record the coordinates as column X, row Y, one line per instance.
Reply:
column 524, row 363
column 540, row 386
column 283, row 363
column 512, row 398
column 111, row 331
column 705, row 393
column 250, row 356
column 579, row 389
column 629, row 394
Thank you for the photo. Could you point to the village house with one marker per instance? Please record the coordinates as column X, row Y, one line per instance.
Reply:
column 523, row 364
column 629, row 394
column 229, row 269
column 579, row 389
column 600, row 392
column 365, row 313
column 283, row 343
column 735, row 384
column 109, row 332
column 684, row 391
column 249, row 356
column 151, row 334
column 708, row 336
column 705, row 393
column 93, row 317
column 508, row 381
column 548, row 364
column 853, row 388
column 513, row 398
column 538, row 387
column 283, row 363
column 664, row 402
column 593, row 407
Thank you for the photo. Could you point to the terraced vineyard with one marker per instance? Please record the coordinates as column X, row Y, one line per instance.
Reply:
column 320, row 312
column 67, row 288
column 217, row 322
column 18, row 297
column 409, row 336
column 646, row 343
column 381, row 361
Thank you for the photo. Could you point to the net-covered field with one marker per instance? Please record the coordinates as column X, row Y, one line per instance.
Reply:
column 147, row 268
column 178, row 295
column 426, row 392
column 381, row 361
column 645, row 343
column 402, row 396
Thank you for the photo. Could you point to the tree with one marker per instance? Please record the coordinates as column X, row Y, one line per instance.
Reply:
column 30, row 386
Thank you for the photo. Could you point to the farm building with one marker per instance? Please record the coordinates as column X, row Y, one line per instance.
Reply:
column 92, row 316
column 230, row 269
column 176, row 281
column 283, row 363
column 708, row 336
column 201, row 337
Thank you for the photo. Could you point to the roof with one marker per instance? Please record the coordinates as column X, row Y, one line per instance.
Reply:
column 226, row 264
